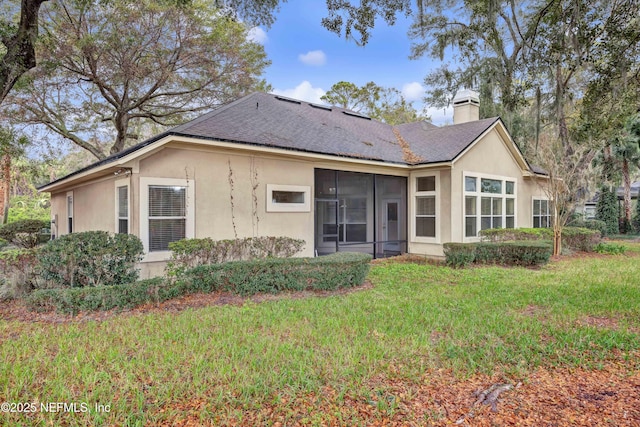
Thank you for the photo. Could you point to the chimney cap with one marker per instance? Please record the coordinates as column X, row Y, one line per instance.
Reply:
column 466, row 96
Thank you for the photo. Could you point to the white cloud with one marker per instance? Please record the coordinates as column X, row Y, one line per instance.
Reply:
column 441, row 116
column 304, row 91
column 313, row 57
column 412, row 91
column 258, row 35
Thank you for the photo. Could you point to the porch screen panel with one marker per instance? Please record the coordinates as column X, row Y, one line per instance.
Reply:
column 167, row 216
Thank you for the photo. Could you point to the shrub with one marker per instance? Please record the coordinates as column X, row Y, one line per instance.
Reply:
column 591, row 224
column 73, row 300
column 342, row 269
column 575, row 238
column 459, row 254
column 3, row 244
column 19, row 272
column 636, row 217
column 339, row 270
column 27, row 233
column 610, row 248
column 507, row 253
column 189, row 253
column 607, row 210
column 91, row 258
column 513, row 253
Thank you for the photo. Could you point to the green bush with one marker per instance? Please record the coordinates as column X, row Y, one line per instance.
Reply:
column 574, row 238
column 27, row 233
column 189, row 253
column 523, row 253
column 342, row 269
column 3, row 244
column 335, row 271
column 73, row 300
column 610, row 248
column 607, row 210
column 591, row 224
column 91, row 258
column 459, row 254
column 19, row 272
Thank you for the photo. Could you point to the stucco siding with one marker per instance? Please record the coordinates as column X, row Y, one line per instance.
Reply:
column 231, row 191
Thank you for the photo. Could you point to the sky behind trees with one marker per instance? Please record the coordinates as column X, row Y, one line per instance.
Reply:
column 307, row 59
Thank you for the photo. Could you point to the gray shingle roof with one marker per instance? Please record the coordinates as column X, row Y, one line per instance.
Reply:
column 269, row 120
column 274, row 121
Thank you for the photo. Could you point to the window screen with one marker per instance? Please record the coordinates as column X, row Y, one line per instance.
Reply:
column 167, row 216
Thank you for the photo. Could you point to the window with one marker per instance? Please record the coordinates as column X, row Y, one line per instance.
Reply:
column 167, row 214
column 489, row 202
column 541, row 213
column 122, row 206
column 425, row 206
column 288, row 198
column 70, row 212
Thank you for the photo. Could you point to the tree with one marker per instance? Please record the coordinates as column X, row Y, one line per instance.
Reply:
column 607, row 209
column 566, row 177
column 384, row 104
column 11, row 144
column 109, row 66
column 19, row 40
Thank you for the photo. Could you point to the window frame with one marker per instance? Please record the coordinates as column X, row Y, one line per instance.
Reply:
column 145, row 183
column 272, row 206
column 479, row 195
column 117, row 185
column 533, row 215
column 415, row 194
column 70, row 223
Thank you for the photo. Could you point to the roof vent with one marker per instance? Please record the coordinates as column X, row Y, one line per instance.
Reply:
column 321, row 107
column 466, row 106
column 291, row 100
column 354, row 114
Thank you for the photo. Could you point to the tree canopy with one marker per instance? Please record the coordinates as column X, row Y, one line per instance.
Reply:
column 384, row 104
column 106, row 69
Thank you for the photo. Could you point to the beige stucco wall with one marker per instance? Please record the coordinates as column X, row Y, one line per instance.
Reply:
column 93, row 207
column 488, row 158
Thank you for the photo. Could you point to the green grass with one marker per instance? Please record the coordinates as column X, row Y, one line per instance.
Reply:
column 416, row 318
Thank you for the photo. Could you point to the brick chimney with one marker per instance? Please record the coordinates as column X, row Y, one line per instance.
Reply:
column 466, row 106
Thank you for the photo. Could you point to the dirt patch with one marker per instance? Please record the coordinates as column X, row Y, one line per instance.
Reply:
column 546, row 397
column 17, row 310
column 533, row 310
column 599, row 322
column 410, row 259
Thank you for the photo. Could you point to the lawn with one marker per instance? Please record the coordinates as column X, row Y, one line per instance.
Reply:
column 410, row 349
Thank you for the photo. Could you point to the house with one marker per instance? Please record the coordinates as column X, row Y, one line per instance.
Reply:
column 269, row 165
column 588, row 208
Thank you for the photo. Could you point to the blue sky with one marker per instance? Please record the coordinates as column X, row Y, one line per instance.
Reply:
column 307, row 59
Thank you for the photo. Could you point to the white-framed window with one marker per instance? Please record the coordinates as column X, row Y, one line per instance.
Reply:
column 69, row 212
column 167, row 214
column 123, row 206
column 288, row 198
column 489, row 202
column 425, row 207
column 541, row 213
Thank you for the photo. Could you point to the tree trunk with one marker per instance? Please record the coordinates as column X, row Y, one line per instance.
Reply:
column 557, row 240
column 5, row 184
column 626, row 179
column 20, row 55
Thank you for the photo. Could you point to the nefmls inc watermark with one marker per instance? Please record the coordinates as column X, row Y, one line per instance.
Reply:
column 53, row 407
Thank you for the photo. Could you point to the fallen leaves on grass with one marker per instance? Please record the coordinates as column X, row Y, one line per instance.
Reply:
column 558, row 397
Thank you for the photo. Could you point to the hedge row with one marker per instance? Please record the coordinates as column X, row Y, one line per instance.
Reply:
column 574, row 238
column 273, row 275
column 521, row 253
column 190, row 253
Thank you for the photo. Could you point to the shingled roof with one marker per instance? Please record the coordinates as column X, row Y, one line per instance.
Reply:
column 269, row 120
column 276, row 121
